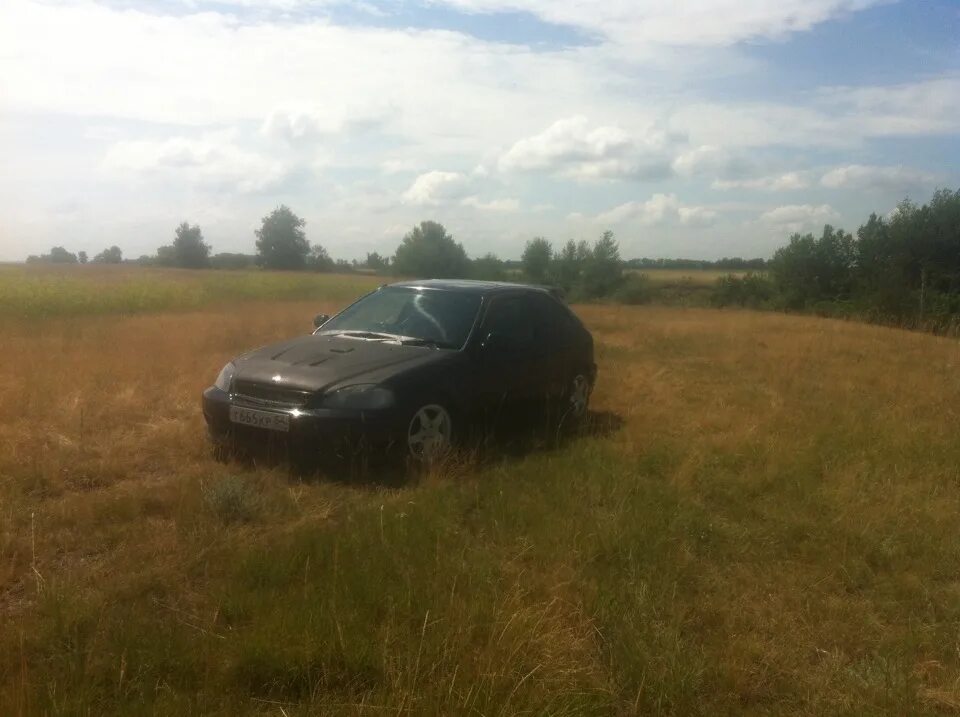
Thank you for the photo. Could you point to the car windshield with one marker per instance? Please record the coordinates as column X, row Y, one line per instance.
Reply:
column 430, row 316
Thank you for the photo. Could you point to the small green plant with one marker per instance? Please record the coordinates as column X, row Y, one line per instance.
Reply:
column 232, row 499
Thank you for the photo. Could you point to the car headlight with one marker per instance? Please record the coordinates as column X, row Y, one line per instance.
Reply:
column 226, row 377
column 361, row 397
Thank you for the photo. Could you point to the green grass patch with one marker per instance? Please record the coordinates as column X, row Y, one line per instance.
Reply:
column 81, row 291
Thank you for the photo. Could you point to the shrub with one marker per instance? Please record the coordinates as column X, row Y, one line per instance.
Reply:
column 635, row 289
column 232, row 499
column 751, row 289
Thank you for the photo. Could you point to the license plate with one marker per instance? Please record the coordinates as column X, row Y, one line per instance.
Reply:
column 260, row 419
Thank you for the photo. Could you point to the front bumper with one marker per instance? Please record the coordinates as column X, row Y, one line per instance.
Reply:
column 314, row 427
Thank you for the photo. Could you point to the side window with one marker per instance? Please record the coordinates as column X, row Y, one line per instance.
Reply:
column 511, row 321
column 553, row 321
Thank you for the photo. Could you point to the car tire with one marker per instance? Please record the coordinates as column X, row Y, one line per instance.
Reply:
column 576, row 400
column 429, row 432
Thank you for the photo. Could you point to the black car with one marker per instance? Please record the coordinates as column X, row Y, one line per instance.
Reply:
column 413, row 365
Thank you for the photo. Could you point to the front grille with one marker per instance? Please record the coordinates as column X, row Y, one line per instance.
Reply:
column 262, row 394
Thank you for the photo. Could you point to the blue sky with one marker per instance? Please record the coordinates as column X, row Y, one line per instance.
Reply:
column 700, row 129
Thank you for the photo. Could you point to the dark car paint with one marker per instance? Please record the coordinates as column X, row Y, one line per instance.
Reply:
column 320, row 363
column 470, row 381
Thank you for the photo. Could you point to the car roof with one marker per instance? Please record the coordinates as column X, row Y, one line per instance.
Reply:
column 474, row 286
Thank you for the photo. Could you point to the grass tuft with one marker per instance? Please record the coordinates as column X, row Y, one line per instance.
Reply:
column 232, row 499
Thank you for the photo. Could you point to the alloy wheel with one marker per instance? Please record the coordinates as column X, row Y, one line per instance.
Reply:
column 579, row 396
column 428, row 435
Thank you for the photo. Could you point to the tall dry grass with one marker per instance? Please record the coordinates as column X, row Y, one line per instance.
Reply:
column 770, row 530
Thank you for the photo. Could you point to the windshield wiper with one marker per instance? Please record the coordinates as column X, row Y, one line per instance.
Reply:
column 432, row 343
column 369, row 335
column 381, row 336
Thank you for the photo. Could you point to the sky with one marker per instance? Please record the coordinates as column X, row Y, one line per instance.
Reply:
column 694, row 129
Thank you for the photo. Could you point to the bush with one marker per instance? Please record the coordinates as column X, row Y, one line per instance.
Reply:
column 488, row 268
column 634, row 290
column 232, row 499
column 752, row 290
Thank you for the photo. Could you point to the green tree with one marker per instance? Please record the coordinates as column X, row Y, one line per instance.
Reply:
column 82, row 257
column 113, row 255
column 166, row 256
column 809, row 270
column 319, row 259
column 428, row 251
column 189, row 249
column 488, row 267
column 536, row 259
column 377, row 263
column 59, row 255
column 567, row 266
column 602, row 270
column 281, row 240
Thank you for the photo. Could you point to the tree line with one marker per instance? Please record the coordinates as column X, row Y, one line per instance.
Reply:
column 903, row 268
column 427, row 250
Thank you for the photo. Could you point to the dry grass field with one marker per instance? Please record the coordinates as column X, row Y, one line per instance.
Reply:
column 696, row 277
column 763, row 521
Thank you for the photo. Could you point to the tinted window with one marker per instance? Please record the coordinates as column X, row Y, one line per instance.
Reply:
column 554, row 320
column 512, row 321
column 444, row 317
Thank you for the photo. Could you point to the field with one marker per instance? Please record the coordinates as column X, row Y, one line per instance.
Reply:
column 78, row 291
column 694, row 277
column 761, row 518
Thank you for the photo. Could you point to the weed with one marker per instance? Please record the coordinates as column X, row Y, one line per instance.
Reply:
column 232, row 499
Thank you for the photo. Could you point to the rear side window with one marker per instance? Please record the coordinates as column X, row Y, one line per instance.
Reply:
column 511, row 318
column 556, row 320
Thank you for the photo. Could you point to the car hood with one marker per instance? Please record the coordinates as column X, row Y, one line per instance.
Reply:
column 316, row 362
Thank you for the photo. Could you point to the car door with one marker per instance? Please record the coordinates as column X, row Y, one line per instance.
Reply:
column 551, row 330
column 509, row 359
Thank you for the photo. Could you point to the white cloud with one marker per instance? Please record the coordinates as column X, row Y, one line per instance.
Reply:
column 697, row 216
column 215, row 161
column 830, row 117
column 925, row 107
column 299, row 76
column 436, row 187
column 494, row 205
column 859, row 176
column 790, row 181
column 659, row 209
column 699, row 160
column 572, row 148
column 706, row 22
column 297, row 125
column 794, row 217
column 138, row 87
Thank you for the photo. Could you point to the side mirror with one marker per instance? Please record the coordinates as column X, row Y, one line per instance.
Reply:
column 319, row 320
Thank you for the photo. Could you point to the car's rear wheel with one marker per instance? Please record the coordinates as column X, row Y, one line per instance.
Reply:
column 429, row 433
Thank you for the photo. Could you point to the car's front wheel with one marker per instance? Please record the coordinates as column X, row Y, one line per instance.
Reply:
column 429, row 433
